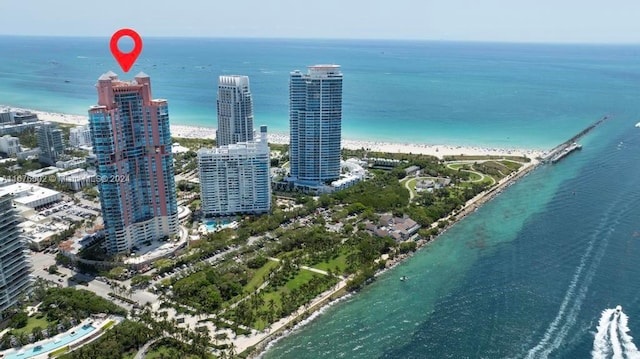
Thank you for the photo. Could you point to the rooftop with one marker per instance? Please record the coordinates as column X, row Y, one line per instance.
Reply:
column 27, row 193
column 43, row 172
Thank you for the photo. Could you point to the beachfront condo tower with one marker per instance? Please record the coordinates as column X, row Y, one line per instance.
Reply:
column 235, row 178
column 315, row 118
column 235, row 110
column 50, row 142
column 132, row 144
column 15, row 270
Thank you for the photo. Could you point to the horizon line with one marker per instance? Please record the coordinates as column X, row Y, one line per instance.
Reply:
column 476, row 41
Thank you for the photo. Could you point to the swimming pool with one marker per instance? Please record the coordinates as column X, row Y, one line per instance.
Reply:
column 51, row 344
column 212, row 225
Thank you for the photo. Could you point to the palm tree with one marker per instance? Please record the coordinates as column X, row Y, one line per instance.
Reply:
column 232, row 349
column 129, row 292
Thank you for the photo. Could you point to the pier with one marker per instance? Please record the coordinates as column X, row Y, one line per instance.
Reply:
column 565, row 148
column 572, row 147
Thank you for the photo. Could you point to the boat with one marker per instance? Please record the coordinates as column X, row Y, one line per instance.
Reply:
column 66, row 81
column 403, row 278
column 567, row 150
column 638, row 124
column 618, row 310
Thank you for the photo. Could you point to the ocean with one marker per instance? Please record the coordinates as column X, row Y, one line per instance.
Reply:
column 535, row 273
column 502, row 95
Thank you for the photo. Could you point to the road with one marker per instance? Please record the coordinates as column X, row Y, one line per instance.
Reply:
column 42, row 261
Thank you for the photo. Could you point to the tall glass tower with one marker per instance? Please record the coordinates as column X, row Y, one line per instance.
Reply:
column 235, row 110
column 315, row 116
column 131, row 141
column 50, row 142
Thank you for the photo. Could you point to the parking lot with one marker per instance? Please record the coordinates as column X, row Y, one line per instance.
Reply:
column 69, row 211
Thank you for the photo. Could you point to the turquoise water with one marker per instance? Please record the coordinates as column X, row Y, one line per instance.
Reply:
column 49, row 345
column 502, row 95
column 212, row 225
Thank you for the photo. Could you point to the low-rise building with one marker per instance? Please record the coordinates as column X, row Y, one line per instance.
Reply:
column 411, row 170
column 384, row 163
column 25, row 117
column 77, row 178
column 75, row 162
column 7, row 129
column 42, row 175
column 352, row 172
column 398, row 228
column 31, row 195
column 10, row 145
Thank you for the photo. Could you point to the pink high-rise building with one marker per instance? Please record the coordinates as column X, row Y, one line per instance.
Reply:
column 131, row 141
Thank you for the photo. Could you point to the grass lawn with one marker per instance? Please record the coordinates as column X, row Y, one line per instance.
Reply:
column 339, row 262
column 474, row 177
column 512, row 165
column 489, row 180
column 301, row 278
column 256, row 280
column 457, row 166
column 412, row 186
column 165, row 351
column 488, row 157
column 32, row 323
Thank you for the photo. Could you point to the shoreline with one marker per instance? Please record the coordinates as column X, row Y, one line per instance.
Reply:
column 436, row 150
column 317, row 308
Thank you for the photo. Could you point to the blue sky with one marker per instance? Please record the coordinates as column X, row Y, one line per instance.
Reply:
column 590, row 21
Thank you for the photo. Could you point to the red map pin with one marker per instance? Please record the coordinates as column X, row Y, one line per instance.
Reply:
column 126, row 59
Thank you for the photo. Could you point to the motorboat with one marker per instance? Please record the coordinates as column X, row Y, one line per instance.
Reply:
column 618, row 310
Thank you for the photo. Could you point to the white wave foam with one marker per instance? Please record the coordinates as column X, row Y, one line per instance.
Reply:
column 613, row 337
column 582, row 294
column 630, row 349
column 601, row 340
column 572, row 302
column 614, row 340
column 533, row 353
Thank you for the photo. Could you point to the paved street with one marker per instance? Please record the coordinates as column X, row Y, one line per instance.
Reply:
column 66, row 277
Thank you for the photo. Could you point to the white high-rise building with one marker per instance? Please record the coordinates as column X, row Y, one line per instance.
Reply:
column 15, row 269
column 235, row 178
column 80, row 136
column 235, row 110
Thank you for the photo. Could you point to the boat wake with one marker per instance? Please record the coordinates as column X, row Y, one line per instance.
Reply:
column 575, row 295
column 612, row 339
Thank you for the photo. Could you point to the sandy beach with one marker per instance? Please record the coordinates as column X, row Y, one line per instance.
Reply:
column 438, row 150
